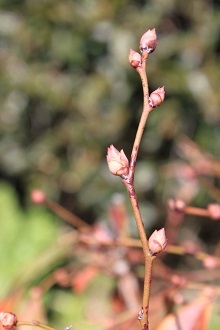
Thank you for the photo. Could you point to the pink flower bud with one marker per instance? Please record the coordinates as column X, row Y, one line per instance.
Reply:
column 157, row 241
column 176, row 205
column 210, row 292
column 211, row 262
column 178, row 299
column 148, row 41
column 190, row 247
column 157, row 97
column 178, row 280
column 38, row 196
column 134, row 58
column 117, row 161
column 8, row 320
column 214, row 211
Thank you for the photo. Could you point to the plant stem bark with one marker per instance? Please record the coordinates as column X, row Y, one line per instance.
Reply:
column 129, row 183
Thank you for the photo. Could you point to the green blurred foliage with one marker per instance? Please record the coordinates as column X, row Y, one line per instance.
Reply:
column 24, row 235
column 29, row 252
column 67, row 92
column 69, row 308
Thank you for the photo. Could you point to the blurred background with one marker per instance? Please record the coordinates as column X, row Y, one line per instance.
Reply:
column 67, row 92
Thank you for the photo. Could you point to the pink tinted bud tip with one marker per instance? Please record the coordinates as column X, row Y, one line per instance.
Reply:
column 211, row 262
column 190, row 247
column 157, row 241
column 178, row 280
column 148, row 41
column 117, row 161
column 176, row 205
column 38, row 197
column 134, row 58
column 214, row 211
column 157, row 97
column 8, row 320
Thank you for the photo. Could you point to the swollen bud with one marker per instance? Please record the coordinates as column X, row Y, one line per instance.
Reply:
column 211, row 262
column 134, row 58
column 214, row 211
column 8, row 320
column 157, row 241
column 148, row 41
column 157, row 97
column 117, row 161
column 176, row 205
column 38, row 197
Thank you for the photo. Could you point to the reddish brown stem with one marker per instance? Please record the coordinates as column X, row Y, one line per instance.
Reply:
column 148, row 258
column 35, row 323
column 145, row 112
column 66, row 215
column 196, row 211
column 137, row 215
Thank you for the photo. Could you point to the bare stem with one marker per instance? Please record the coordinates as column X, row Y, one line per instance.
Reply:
column 131, row 242
column 66, row 215
column 145, row 112
column 148, row 258
column 196, row 211
column 35, row 323
column 137, row 214
column 146, row 295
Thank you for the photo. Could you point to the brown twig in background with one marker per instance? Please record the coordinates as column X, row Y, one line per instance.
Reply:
column 177, row 208
column 69, row 217
column 35, row 323
column 38, row 197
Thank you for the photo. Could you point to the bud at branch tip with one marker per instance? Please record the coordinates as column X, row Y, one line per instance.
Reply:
column 38, row 197
column 8, row 320
column 148, row 41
